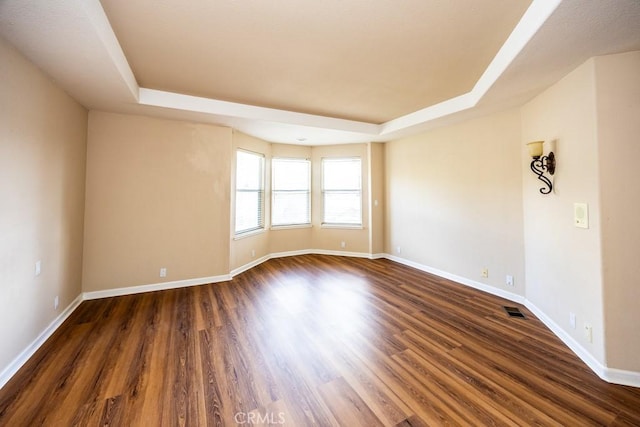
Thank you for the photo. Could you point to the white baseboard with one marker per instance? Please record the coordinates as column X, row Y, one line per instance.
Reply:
column 154, row 287
column 615, row 376
column 267, row 257
column 290, row 253
column 569, row 341
column 619, row 376
column 611, row 375
column 342, row 253
column 511, row 296
column 249, row 266
column 24, row 356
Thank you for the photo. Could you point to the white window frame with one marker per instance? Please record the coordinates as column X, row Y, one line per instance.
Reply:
column 275, row 191
column 326, row 192
column 260, row 191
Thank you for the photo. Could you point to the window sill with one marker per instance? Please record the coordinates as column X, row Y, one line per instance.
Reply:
column 248, row 234
column 344, row 226
column 290, row 227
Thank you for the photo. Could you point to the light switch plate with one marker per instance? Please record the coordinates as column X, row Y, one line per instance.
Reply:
column 581, row 215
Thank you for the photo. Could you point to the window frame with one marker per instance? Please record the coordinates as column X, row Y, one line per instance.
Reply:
column 359, row 192
column 261, row 196
column 275, row 191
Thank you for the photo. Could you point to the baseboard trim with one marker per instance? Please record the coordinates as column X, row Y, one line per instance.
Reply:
column 342, row 253
column 459, row 279
column 26, row 354
column 274, row 255
column 154, row 287
column 619, row 376
column 290, row 253
column 248, row 266
column 567, row 339
column 610, row 375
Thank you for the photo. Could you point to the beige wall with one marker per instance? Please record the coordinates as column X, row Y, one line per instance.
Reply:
column 618, row 127
column 157, row 196
column 563, row 263
column 42, row 169
column 376, row 200
column 454, row 199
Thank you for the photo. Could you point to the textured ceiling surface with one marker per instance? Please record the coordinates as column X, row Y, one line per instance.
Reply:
column 362, row 60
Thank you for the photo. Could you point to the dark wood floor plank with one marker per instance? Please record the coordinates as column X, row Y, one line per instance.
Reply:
column 421, row 400
column 384, row 403
column 346, row 405
column 522, row 412
column 113, row 414
column 31, row 388
column 472, row 406
column 310, row 340
column 86, row 385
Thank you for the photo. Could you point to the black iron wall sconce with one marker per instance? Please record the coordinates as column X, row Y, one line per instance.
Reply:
column 541, row 164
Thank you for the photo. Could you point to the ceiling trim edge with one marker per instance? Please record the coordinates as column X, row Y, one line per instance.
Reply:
column 158, row 98
column 534, row 17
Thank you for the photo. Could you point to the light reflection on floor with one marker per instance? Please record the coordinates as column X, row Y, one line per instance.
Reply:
column 295, row 306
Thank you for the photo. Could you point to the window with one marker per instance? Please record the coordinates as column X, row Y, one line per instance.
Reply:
column 342, row 191
column 291, row 192
column 249, row 191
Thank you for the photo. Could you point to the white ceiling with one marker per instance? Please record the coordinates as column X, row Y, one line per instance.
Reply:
column 303, row 71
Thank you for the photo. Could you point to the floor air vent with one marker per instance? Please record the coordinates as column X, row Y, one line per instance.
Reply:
column 514, row 312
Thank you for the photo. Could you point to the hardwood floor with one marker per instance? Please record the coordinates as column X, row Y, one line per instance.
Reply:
column 310, row 340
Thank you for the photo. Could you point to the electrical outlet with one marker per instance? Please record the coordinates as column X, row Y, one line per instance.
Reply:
column 485, row 273
column 399, row 250
column 509, row 280
column 572, row 320
column 163, row 272
column 588, row 332
column 343, row 245
column 38, row 268
column 253, row 253
column 56, row 302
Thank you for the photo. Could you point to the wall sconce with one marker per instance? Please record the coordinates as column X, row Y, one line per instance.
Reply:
column 541, row 164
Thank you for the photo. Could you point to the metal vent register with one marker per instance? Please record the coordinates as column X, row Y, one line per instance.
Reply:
column 514, row 312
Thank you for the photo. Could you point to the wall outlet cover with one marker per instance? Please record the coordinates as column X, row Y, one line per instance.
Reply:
column 588, row 332
column 581, row 215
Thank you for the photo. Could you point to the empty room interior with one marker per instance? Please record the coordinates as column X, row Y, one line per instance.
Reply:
column 334, row 213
